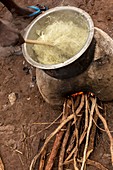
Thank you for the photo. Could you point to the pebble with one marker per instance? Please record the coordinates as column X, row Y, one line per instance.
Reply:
column 12, row 98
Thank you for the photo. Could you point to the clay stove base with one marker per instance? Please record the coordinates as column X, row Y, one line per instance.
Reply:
column 98, row 78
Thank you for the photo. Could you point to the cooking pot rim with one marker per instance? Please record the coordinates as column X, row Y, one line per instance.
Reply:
column 72, row 59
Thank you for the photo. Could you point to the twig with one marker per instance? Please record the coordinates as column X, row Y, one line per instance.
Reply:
column 77, row 101
column 54, row 150
column 72, row 140
column 70, row 155
column 44, row 123
column 107, row 131
column 89, row 162
column 69, row 161
column 76, row 132
column 86, row 121
column 1, row 165
column 55, row 132
column 42, row 160
column 57, row 141
column 47, row 126
column 71, row 143
column 86, row 111
column 18, row 152
column 76, row 112
column 20, row 159
column 76, row 148
column 62, row 152
column 49, row 138
column 73, row 111
column 92, row 137
column 100, row 127
column 88, row 133
column 80, row 106
column 77, row 127
column 94, row 163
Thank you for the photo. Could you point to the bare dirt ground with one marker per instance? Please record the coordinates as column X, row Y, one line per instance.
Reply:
column 19, row 140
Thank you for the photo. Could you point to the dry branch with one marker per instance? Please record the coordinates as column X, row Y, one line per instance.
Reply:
column 88, row 133
column 55, row 132
column 70, row 155
column 77, row 127
column 76, row 113
column 80, row 106
column 1, row 165
column 107, row 131
column 52, row 123
column 63, row 147
column 76, row 148
column 71, row 143
column 94, row 163
column 58, row 139
column 92, row 137
column 54, row 150
column 86, row 121
column 77, row 101
column 42, row 160
column 73, row 136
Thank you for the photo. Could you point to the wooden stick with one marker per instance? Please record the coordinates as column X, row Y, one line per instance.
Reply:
column 54, row 150
column 62, row 152
column 76, row 132
column 42, row 160
column 77, row 101
column 73, row 136
column 76, row 112
column 86, row 121
column 52, row 123
column 77, row 127
column 88, row 133
column 44, row 123
column 80, row 106
column 94, row 163
column 107, row 131
column 38, row 42
column 76, row 148
column 1, row 165
column 58, row 139
column 98, row 165
column 71, row 143
column 55, row 132
column 86, row 111
column 92, row 137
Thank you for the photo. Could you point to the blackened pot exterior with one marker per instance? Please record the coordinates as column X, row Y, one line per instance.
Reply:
column 75, row 68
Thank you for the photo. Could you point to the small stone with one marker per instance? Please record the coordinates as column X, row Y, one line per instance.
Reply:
column 12, row 98
column 28, row 98
column 32, row 85
column 24, row 62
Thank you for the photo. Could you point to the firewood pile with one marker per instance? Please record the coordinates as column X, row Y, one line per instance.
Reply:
column 75, row 136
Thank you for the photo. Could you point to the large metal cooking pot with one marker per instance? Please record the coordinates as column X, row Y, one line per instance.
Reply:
column 76, row 64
